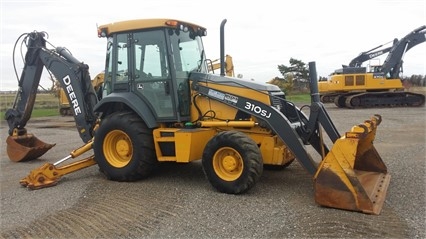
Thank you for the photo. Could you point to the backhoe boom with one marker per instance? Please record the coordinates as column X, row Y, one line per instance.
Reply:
column 74, row 78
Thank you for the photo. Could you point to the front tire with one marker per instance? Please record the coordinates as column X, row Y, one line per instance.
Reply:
column 232, row 162
column 124, row 147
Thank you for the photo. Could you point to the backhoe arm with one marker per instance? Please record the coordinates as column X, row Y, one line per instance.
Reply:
column 74, row 78
column 18, row 116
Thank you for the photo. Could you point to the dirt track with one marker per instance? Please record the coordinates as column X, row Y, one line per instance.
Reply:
column 178, row 201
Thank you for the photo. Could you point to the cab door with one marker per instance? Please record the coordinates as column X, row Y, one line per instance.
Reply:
column 122, row 66
column 152, row 78
column 116, row 77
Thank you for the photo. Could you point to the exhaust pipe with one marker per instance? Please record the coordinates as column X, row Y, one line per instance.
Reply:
column 222, row 47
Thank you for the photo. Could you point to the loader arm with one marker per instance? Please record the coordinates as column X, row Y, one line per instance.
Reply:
column 295, row 133
column 74, row 78
column 351, row 174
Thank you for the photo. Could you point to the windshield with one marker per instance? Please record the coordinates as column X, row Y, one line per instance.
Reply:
column 188, row 51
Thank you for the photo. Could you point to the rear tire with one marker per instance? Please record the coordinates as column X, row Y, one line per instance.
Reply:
column 124, row 147
column 232, row 162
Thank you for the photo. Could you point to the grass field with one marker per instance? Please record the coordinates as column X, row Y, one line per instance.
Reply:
column 48, row 104
column 45, row 105
column 299, row 98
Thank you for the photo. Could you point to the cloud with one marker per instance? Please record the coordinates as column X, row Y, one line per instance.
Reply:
column 259, row 36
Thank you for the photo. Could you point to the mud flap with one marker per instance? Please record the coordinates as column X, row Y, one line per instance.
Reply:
column 26, row 147
column 353, row 176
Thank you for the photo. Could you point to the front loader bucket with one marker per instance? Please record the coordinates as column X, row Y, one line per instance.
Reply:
column 26, row 147
column 353, row 176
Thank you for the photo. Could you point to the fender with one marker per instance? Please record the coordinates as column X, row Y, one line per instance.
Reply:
column 129, row 99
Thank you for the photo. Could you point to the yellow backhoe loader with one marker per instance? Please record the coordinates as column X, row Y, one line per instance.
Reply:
column 160, row 103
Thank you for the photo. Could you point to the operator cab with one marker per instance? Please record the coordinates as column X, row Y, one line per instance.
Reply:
column 152, row 59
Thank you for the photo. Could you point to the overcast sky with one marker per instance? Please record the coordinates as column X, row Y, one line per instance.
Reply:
column 259, row 36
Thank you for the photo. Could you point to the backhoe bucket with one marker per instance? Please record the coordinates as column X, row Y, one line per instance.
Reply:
column 353, row 176
column 26, row 147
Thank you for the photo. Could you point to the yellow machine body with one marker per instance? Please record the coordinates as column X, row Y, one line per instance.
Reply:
column 188, row 143
column 357, row 82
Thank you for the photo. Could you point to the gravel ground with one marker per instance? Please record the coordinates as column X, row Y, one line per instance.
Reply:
column 178, row 202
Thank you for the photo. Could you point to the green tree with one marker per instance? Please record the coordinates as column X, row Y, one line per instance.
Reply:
column 299, row 72
column 414, row 80
column 285, row 84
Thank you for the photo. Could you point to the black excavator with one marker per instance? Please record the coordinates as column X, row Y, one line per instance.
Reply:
column 160, row 103
column 353, row 86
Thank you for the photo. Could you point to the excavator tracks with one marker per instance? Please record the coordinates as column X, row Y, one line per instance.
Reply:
column 379, row 99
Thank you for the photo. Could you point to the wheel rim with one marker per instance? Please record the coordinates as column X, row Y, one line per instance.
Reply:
column 117, row 148
column 228, row 164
